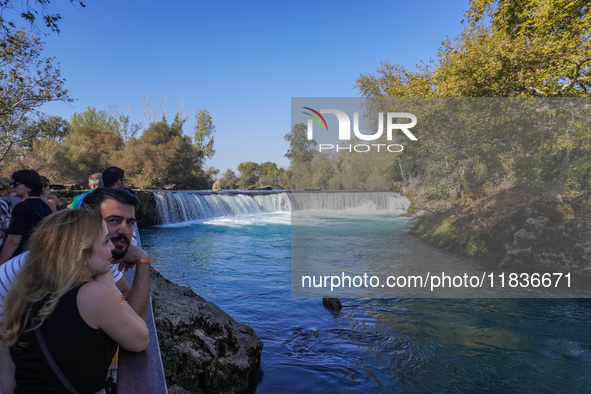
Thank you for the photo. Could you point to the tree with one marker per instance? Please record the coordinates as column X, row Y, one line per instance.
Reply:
column 30, row 11
column 299, row 145
column 91, row 150
column 27, row 81
column 51, row 127
column 547, row 43
column 161, row 132
column 508, row 48
column 204, row 130
column 249, row 174
column 229, row 180
column 127, row 130
column 162, row 155
column 395, row 80
column 93, row 119
column 271, row 175
column 51, row 158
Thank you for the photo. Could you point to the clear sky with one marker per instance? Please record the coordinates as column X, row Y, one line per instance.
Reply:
column 241, row 60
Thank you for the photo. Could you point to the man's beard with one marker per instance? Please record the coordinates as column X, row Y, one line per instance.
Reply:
column 118, row 253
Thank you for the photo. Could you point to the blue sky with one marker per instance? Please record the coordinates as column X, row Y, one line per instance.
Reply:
column 241, row 60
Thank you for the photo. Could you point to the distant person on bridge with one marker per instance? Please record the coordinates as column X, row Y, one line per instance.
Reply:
column 114, row 177
column 94, row 182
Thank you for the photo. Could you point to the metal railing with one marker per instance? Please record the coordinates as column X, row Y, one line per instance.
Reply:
column 142, row 372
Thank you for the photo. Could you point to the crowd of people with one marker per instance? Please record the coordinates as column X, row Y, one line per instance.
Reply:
column 64, row 303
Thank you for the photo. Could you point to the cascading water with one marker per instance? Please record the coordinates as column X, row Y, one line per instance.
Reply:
column 183, row 206
column 362, row 202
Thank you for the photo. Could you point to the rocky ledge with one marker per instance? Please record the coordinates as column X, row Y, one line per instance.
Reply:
column 540, row 228
column 203, row 348
column 557, row 235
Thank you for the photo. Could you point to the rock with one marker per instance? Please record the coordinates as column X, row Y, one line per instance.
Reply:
column 545, row 246
column 203, row 348
column 332, row 303
column 147, row 212
column 537, row 225
column 521, row 259
column 535, row 229
column 524, row 239
column 174, row 389
column 260, row 187
column 549, row 203
column 216, row 186
column 549, row 197
column 583, row 252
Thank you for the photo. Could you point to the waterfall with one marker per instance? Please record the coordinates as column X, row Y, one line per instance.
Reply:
column 368, row 202
column 182, row 206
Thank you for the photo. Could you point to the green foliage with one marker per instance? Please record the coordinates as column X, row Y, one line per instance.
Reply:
column 229, row 180
column 271, row 175
column 91, row 150
column 437, row 191
column 162, row 133
column 52, row 127
column 204, row 130
column 112, row 121
column 520, row 48
column 27, row 81
column 164, row 156
column 30, row 11
column 249, row 174
column 262, row 175
column 93, row 119
column 395, row 80
column 508, row 49
column 299, row 146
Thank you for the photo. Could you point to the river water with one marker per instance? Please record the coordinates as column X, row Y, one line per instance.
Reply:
column 240, row 259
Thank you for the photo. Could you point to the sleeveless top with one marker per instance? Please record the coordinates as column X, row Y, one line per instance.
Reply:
column 81, row 352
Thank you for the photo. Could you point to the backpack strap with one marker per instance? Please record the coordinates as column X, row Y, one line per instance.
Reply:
column 52, row 363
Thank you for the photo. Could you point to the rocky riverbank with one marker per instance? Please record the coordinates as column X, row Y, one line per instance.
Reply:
column 524, row 228
column 203, row 348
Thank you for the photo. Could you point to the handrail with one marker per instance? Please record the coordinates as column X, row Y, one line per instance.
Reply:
column 142, row 372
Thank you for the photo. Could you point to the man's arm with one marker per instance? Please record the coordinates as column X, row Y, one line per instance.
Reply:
column 123, row 286
column 138, row 295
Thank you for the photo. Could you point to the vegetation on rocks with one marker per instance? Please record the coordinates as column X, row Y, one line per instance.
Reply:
column 203, row 348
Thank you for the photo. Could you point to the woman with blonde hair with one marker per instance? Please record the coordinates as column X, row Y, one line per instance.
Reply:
column 63, row 313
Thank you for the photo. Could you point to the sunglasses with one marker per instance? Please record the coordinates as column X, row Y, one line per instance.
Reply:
column 15, row 184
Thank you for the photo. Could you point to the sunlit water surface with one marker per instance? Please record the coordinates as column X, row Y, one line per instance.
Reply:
column 242, row 264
